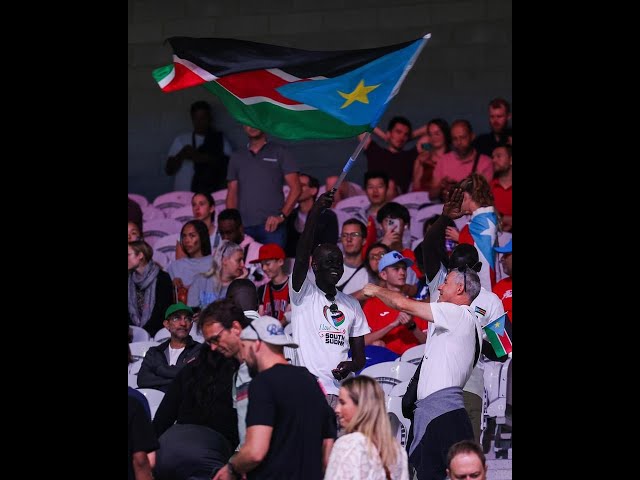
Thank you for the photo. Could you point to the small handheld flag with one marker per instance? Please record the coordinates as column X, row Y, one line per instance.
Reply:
column 499, row 334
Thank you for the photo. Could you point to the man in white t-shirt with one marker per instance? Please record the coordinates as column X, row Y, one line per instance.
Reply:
column 486, row 306
column 451, row 352
column 325, row 321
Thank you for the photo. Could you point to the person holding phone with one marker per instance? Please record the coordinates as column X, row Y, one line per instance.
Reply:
column 431, row 148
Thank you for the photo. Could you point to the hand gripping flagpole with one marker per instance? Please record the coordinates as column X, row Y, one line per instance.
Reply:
column 366, row 136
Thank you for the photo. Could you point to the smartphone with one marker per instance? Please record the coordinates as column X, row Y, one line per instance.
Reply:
column 426, row 147
column 393, row 224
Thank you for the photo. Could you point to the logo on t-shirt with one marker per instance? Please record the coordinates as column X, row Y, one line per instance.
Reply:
column 337, row 317
column 507, row 294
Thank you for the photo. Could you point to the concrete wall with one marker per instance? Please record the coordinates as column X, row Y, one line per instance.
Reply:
column 465, row 64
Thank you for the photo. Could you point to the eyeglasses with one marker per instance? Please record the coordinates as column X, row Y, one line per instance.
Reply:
column 215, row 339
column 177, row 318
column 332, row 299
column 351, row 235
column 376, row 256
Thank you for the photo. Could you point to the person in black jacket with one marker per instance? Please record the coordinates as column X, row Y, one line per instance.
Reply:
column 150, row 288
column 162, row 363
column 205, row 432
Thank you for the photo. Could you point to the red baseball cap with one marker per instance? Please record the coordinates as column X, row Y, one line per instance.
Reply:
column 270, row 251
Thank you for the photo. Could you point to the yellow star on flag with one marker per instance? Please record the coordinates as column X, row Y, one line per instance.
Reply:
column 359, row 94
column 497, row 325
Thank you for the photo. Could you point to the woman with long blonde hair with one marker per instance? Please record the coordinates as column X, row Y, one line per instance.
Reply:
column 368, row 450
column 227, row 265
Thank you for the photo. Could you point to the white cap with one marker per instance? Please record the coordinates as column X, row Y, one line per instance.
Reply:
column 269, row 330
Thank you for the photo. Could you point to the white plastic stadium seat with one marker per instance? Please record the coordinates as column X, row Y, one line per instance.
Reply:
column 399, row 425
column 139, row 199
column 197, row 336
column 342, row 217
column 413, row 354
column 420, row 216
column 167, row 245
column 400, row 389
column 183, row 214
column 154, row 397
column 155, row 229
column 161, row 335
column 389, row 374
column 352, row 204
column 413, row 200
column 175, row 199
column 497, row 383
column 139, row 334
column 138, row 351
column 152, row 213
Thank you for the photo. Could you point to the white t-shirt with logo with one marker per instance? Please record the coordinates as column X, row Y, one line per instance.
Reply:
column 323, row 337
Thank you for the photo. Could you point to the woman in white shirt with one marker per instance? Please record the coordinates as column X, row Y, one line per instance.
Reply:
column 368, row 450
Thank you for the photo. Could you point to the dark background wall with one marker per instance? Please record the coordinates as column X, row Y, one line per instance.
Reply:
column 466, row 63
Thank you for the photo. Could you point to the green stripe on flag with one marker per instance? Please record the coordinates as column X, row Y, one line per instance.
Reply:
column 285, row 123
column 496, row 343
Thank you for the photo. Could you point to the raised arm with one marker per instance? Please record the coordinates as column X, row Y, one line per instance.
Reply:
column 398, row 301
column 433, row 252
column 305, row 243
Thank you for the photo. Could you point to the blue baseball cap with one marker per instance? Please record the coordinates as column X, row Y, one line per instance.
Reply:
column 505, row 249
column 392, row 258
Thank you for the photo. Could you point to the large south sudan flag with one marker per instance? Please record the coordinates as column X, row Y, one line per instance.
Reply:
column 288, row 92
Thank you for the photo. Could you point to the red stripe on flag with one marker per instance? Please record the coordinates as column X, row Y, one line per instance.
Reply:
column 505, row 341
column 184, row 78
column 257, row 83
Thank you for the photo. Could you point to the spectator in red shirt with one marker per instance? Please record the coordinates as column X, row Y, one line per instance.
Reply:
column 398, row 331
column 501, row 184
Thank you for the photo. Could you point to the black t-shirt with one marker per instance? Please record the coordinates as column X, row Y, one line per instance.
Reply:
column 486, row 142
column 142, row 438
column 289, row 399
column 398, row 165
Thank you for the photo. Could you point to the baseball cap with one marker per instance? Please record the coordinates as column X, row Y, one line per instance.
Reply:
column 505, row 249
column 392, row 258
column 177, row 307
column 268, row 252
column 267, row 329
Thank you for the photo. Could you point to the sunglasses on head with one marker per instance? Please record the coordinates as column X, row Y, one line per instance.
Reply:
column 332, row 299
column 463, row 271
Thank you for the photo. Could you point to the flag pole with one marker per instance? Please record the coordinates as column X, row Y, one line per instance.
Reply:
column 367, row 135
